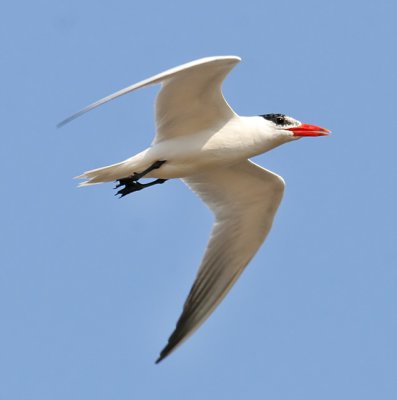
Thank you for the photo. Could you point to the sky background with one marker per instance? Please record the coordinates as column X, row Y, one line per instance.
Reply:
column 91, row 286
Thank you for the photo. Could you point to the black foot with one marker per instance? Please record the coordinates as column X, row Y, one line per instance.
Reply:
column 131, row 185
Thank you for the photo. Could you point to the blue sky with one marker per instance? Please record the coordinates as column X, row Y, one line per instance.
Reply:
column 91, row 286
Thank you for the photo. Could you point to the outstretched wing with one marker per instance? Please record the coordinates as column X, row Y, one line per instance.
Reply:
column 244, row 199
column 190, row 99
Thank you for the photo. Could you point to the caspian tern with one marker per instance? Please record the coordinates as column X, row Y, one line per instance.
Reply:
column 201, row 140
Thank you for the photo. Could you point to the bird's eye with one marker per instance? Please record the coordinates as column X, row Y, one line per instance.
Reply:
column 278, row 119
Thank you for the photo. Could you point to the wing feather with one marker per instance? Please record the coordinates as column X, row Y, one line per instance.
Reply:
column 244, row 199
column 191, row 90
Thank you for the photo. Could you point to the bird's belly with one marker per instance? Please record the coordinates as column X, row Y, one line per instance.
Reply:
column 189, row 156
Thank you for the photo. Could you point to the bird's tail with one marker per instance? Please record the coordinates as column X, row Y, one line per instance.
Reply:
column 114, row 172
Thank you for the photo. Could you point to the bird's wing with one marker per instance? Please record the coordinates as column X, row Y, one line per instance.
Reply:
column 190, row 99
column 244, row 199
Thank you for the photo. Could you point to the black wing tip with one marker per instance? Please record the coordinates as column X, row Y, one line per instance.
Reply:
column 180, row 333
column 173, row 342
column 159, row 360
column 165, row 352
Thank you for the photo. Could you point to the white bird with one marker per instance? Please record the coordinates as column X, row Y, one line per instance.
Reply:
column 201, row 140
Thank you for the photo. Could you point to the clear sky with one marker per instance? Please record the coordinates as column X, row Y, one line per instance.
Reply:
column 91, row 286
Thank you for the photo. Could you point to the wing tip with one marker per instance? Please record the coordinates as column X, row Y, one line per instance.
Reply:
column 174, row 341
column 72, row 117
column 159, row 359
column 167, row 350
column 64, row 122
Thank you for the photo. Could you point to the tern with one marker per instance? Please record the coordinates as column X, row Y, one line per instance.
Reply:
column 201, row 140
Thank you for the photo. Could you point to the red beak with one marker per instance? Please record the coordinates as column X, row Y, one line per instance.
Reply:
column 309, row 130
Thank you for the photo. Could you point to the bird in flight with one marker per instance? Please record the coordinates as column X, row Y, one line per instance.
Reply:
column 201, row 140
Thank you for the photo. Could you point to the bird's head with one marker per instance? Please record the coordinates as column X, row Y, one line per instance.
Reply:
column 290, row 128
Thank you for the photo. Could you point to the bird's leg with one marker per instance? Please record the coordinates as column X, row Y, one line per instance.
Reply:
column 139, row 175
column 131, row 183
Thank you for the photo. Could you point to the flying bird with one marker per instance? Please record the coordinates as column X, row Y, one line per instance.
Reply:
column 201, row 140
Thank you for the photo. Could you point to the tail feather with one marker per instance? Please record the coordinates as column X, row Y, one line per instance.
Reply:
column 104, row 174
column 113, row 172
